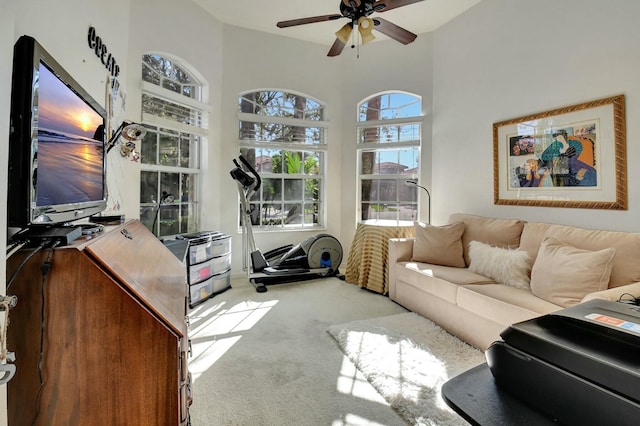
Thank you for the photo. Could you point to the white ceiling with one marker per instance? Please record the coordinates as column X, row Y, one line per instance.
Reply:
column 262, row 15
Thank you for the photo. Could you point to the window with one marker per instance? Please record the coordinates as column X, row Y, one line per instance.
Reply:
column 389, row 138
column 176, row 123
column 283, row 135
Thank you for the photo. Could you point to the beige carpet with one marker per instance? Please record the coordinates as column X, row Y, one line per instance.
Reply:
column 408, row 358
column 267, row 359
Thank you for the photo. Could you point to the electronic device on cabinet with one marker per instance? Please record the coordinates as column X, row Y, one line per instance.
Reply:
column 57, row 164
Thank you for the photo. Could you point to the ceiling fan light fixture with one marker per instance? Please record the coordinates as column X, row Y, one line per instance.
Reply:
column 344, row 33
column 365, row 27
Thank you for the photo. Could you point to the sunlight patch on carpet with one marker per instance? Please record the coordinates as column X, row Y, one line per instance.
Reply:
column 407, row 359
column 352, row 382
column 207, row 353
column 215, row 330
column 240, row 317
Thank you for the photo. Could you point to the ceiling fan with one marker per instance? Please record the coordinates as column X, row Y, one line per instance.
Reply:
column 358, row 12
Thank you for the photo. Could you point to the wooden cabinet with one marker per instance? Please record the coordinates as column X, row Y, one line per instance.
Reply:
column 103, row 338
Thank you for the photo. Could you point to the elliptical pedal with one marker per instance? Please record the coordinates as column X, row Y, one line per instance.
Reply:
column 260, row 287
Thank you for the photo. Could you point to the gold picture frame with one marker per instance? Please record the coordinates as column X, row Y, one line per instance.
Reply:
column 571, row 157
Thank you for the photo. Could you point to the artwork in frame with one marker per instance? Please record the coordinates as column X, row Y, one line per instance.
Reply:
column 573, row 157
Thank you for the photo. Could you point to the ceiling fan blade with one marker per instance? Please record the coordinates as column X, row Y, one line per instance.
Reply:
column 310, row 20
column 392, row 30
column 384, row 5
column 336, row 48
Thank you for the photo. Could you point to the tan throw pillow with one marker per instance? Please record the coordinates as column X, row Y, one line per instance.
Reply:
column 564, row 275
column 505, row 266
column 439, row 245
column 496, row 232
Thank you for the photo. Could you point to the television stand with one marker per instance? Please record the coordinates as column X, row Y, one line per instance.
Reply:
column 112, row 316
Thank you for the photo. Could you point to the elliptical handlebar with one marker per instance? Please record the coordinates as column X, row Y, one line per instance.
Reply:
column 252, row 171
column 248, row 182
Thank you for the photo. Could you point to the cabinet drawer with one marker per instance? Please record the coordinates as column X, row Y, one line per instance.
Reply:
column 200, row 252
column 202, row 291
column 215, row 266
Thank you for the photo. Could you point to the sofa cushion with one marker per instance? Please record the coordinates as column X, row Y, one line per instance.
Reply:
column 440, row 245
column 496, row 232
column 564, row 274
column 505, row 266
column 626, row 268
column 502, row 303
column 441, row 281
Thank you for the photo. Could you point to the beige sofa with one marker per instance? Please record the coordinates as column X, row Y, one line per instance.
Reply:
column 565, row 265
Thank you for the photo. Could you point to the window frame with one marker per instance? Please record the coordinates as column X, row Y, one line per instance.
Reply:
column 320, row 149
column 189, row 209
column 404, row 195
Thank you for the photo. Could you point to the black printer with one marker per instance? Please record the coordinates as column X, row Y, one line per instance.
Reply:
column 579, row 365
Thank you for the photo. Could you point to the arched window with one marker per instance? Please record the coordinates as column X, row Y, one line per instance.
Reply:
column 389, row 139
column 176, row 122
column 283, row 135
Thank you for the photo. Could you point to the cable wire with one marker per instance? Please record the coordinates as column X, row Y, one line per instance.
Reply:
column 24, row 262
column 44, row 269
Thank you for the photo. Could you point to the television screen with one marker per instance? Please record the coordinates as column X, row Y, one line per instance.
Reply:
column 70, row 145
column 57, row 158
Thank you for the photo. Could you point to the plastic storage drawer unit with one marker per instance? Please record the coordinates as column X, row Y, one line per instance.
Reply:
column 208, row 265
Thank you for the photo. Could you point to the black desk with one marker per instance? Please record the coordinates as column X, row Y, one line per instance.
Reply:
column 475, row 396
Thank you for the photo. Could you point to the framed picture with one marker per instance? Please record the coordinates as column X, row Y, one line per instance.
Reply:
column 573, row 157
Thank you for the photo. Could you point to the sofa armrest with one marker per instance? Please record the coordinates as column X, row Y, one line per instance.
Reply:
column 614, row 294
column 400, row 250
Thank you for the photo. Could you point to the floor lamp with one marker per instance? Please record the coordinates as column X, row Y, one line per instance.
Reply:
column 166, row 198
column 414, row 183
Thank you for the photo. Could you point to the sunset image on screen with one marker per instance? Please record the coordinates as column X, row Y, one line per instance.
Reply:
column 61, row 110
column 70, row 155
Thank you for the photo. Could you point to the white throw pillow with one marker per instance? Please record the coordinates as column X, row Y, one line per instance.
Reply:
column 505, row 266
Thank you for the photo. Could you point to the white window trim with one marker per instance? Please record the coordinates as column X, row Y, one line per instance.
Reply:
column 176, row 98
column 321, row 147
column 256, row 118
column 378, row 146
column 419, row 119
column 173, row 125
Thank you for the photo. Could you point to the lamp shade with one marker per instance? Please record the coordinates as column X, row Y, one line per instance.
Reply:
column 365, row 27
column 134, row 132
column 130, row 132
column 344, row 33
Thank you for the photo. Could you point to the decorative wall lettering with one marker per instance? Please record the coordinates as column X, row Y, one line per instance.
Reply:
column 107, row 59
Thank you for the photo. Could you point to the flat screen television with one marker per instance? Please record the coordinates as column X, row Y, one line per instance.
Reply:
column 57, row 159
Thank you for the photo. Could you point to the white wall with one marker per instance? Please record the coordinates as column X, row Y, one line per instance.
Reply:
column 501, row 59
column 57, row 27
column 508, row 58
column 6, row 50
column 382, row 66
column 180, row 30
column 61, row 27
column 252, row 61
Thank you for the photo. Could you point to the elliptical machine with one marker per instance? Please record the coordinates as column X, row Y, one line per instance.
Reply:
column 318, row 256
